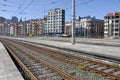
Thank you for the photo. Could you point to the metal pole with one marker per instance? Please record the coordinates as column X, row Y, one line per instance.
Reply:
column 25, row 28
column 9, row 26
column 17, row 29
column 114, row 25
column 73, row 21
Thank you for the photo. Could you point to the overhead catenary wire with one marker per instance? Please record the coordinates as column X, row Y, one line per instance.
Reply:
column 77, row 5
column 83, row 3
column 28, row 13
column 26, row 6
column 8, row 5
column 51, row 3
column 12, row 2
column 55, row 3
column 4, row 10
column 23, row 9
column 21, row 5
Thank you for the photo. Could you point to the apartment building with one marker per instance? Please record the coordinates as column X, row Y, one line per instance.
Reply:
column 20, row 28
column 81, row 25
column 8, row 27
column 38, row 25
column 34, row 27
column 95, row 28
column 2, row 19
column 68, row 28
column 54, row 22
column 112, row 25
column 89, row 27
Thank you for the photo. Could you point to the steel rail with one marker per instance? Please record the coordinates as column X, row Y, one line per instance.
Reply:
column 32, row 77
column 71, row 56
column 36, row 48
column 45, row 63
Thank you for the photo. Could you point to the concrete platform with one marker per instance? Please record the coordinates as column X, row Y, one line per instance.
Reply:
column 8, row 70
column 92, row 41
column 100, row 50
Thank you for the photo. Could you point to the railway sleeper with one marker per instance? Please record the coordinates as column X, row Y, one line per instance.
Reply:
column 89, row 64
column 47, row 71
column 86, row 62
column 36, row 73
column 117, row 73
column 78, row 61
column 102, row 68
column 109, row 70
column 36, row 69
column 56, row 78
column 31, row 67
column 49, row 75
column 95, row 66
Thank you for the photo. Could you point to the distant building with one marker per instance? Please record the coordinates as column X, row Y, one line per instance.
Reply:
column 14, row 19
column 112, row 25
column 8, row 21
column 13, row 29
column 89, row 27
column 20, row 28
column 38, row 25
column 68, row 28
column 8, row 27
column 29, row 28
column 54, row 22
column 95, row 28
column 4, row 26
column 34, row 27
column 81, row 25
column 2, row 19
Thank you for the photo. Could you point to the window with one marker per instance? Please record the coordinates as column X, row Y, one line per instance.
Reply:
column 116, row 29
column 117, row 21
column 116, row 34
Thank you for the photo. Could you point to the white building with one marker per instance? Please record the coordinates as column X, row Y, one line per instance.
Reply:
column 54, row 22
column 89, row 27
column 112, row 25
column 81, row 25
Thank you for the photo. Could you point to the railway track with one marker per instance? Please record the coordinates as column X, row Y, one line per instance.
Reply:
column 78, row 61
column 66, row 67
column 40, row 69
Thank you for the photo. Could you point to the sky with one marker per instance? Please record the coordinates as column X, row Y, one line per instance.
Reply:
column 32, row 9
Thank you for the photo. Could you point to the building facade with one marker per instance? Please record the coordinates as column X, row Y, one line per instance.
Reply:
column 34, row 27
column 54, row 22
column 14, row 19
column 20, row 29
column 89, row 27
column 38, row 25
column 68, row 28
column 2, row 19
column 81, row 25
column 8, row 26
column 112, row 25
column 95, row 28
column 11, row 27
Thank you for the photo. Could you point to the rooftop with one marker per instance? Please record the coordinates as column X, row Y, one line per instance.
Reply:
column 113, row 13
